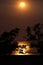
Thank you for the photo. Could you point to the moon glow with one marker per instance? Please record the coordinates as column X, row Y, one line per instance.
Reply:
column 22, row 4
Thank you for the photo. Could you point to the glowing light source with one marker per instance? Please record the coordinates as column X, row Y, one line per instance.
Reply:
column 22, row 49
column 22, row 4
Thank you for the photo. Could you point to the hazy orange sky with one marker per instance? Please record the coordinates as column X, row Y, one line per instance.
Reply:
column 11, row 16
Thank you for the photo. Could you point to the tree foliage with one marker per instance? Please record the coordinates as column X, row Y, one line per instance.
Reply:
column 6, row 41
column 38, row 37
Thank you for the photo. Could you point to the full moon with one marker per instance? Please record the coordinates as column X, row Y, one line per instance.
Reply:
column 22, row 4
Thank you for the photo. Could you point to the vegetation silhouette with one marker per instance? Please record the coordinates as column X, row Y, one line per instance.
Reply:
column 37, row 37
column 7, row 42
column 29, row 34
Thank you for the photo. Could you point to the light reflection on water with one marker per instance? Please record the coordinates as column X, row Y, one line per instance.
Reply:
column 24, row 49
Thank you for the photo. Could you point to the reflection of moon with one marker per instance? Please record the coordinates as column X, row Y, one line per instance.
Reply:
column 22, row 4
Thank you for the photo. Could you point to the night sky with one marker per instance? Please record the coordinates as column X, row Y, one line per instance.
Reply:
column 11, row 16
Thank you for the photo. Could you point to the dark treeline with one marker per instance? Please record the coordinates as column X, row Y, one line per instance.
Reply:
column 37, row 36
column 8, row 43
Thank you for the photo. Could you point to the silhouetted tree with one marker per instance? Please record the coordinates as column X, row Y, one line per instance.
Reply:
column 39, row 35
column 6, row 39
column 37, row 30
column 29, row 34
column 28, row 30
column 40, row 47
